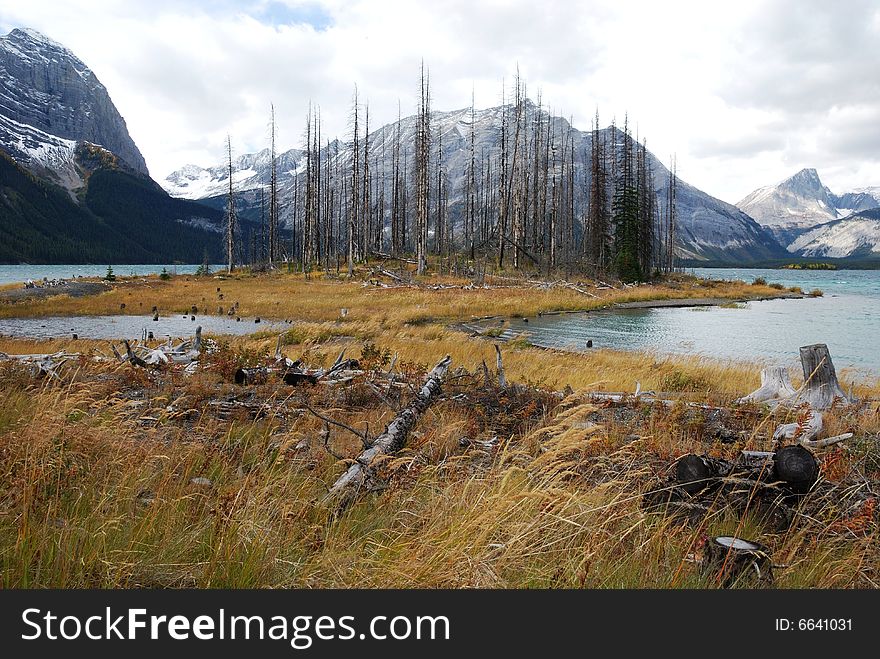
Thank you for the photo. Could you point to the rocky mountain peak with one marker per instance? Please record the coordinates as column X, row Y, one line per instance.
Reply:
column 806, row 183
column 44, row 87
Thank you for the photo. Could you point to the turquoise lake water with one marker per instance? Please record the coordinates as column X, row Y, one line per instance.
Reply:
column 847, row 318
column 15, row 273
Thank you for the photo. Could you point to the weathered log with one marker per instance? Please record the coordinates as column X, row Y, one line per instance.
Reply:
column 797, row 467
column 733, row 560
column 821, row 387
column 133, row 359
column 828, row 441
column 394, row 437
column 775, row 385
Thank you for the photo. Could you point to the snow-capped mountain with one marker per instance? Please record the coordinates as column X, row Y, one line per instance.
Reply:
column 855, row 236
column 74, row 187
column 49, row 99
column 249, row 172
column 708, row 228
column 792, row 206
column 801, row 203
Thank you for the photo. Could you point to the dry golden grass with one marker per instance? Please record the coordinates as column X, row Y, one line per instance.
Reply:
column 97, row 494
column 96, row 470
column 283, row 296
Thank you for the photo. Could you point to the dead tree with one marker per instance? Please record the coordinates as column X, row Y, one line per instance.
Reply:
column 230, row 211
column 353, row 202
column 347, row 486
column 423, row 137
column 273, row 192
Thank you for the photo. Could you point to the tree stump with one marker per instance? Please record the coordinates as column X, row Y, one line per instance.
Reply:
column 775, row 385
column 733, row 560
column 693, row 473
column 821, row 387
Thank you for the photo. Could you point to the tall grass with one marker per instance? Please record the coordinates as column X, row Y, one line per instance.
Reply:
column 97, row 492
column 496, row 488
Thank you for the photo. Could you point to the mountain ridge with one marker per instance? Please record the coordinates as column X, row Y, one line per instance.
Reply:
column 709, row 228
column 44, row 85
column 74, row 186
column 800, row 212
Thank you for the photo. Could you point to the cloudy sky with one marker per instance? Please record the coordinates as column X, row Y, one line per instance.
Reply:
column 745, row 93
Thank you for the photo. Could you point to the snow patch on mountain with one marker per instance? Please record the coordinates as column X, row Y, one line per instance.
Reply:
column 249, row 172
column 792, row 206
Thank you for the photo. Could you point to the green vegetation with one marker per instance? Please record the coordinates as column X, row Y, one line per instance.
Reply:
column 120, row 218
column 110, row 276
column 810, row 266
column 816, row 292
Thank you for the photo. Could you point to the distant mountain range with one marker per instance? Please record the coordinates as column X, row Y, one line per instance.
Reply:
column 708, row 228
column 811, row 221
column 74, row 186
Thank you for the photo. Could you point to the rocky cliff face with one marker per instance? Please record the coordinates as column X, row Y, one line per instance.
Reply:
column 45, row 88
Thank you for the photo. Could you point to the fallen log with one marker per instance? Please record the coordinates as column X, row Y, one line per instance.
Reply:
column 797, row 467
column 694, row 472
column 347, row 486
column 794, row 468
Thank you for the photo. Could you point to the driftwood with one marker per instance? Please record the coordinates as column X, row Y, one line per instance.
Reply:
column 346, row 487
column 805, row 433
column 801, row 431
column 143, row 356
column 42, row 365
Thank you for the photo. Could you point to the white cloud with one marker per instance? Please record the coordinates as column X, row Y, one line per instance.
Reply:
column 745, row 93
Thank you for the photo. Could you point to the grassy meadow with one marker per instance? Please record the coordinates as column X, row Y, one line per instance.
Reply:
column 114, row 476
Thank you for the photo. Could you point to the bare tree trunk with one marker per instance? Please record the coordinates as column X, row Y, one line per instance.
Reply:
column 230, row 212
column 423, row 136
column 273, row 193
